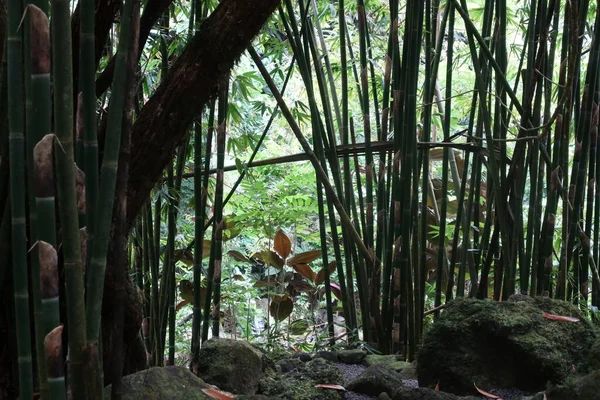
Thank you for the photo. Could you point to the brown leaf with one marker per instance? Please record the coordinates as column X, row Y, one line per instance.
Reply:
column 266, row 283
column 305, row 258
column 185, row 256
column 282, row 244
column 301, row 285
column 218, row 394
column 237, row 256
column 321, row 275
column 305, row 270
column 560, row 318
column 486, row 394
column 330, row 386
column 271, row 258
column 437, row 387
column 335, row 289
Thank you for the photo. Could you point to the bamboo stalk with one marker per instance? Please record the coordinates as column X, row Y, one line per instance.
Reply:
column 17, row 195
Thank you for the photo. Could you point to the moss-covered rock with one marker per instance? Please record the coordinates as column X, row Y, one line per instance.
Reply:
column 234, row 366
column 351, row 356
column 392, row 360
column 577, row 388
column 503, row 345
column 160, row 383
column 594, row 357
column 299, row 383
column 376, row 379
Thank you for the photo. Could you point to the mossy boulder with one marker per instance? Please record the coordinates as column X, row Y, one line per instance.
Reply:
column 376, row 379
column 160, row 383
column 232, row 365
column 594, row 356
column 503, row 345
column 392, row 360
column 577, row 388
column 351, row 356
column 299, row 383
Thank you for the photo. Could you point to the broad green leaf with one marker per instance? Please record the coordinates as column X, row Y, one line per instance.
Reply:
column 281, row 309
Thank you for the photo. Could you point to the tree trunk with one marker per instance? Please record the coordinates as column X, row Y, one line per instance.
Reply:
column 163, row 121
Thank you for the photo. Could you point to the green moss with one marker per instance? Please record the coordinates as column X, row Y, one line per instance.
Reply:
column 299, row 384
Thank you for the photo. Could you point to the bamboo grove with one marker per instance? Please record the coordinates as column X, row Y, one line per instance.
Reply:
column 411, row 205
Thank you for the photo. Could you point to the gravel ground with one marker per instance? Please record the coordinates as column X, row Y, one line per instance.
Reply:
column 351, row 371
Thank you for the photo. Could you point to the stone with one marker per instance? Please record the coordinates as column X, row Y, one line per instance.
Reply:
column 352, row 356
column 384, row 396
column 594, row 356
column 302, row 356
column 503, row 345
column 232, row 365
column 159, row 383
column 327, row 355
column 376, row 379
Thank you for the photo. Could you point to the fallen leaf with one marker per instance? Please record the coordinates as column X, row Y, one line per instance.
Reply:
column 218, row 394
column 329, row 386
column 437, row 387
column 560, row 318
column 486, row 394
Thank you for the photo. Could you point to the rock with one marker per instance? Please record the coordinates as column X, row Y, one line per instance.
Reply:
column 383, row 396
column 299, row 384
column 352, row 356
column 409, row 372
column 159, row 383
column 327, row 355
column 302, row 356
column 376, row 379
column 503, row 345
column 406, row 393
column 232, row 365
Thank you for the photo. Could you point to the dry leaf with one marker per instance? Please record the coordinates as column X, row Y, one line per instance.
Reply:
column 560, row 318
column 437, row 387
column 486, row 394
column 218, row 394
column 330, row 386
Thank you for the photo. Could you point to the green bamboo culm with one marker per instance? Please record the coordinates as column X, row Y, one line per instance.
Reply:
column 66, row 176
column 107, row 185
column 87, row 88
column 55, row 362
column 17, row 196
column 38, row 126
